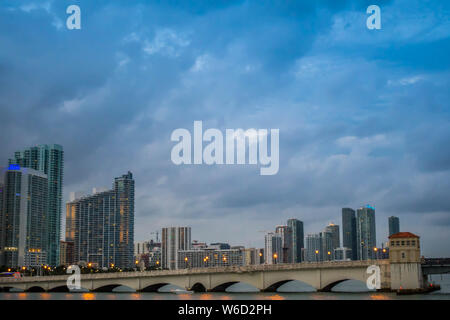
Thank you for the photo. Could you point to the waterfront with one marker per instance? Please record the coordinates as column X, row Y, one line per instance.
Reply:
column 350, row 290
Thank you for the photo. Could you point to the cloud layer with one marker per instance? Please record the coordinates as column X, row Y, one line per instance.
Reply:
column 363, row 115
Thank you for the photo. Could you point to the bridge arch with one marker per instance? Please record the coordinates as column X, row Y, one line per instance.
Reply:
column 106, row 288
column 198, row 287
column 223, row 286
column 154, row 287
column 274, row 286
column 8, row 289
column 62, row 288
column 329, row 287
column 35, row 289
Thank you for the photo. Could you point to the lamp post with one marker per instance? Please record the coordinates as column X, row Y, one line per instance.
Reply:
column 317, row 255
column 275, row 256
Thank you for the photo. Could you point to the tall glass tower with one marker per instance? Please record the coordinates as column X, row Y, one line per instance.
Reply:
column 297, row 239
column 24, row 218
column 349, row 231
column 335, row 238
column 394, row 225
column 48, row 159
column 366, row 232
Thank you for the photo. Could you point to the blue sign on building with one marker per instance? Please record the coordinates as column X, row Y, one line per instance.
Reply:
column 14, row 167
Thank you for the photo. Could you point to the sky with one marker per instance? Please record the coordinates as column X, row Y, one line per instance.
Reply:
column 363, row 114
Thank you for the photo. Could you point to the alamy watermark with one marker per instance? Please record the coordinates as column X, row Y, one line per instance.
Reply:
column 237, row 142
column 74, row 281
column 374, row 280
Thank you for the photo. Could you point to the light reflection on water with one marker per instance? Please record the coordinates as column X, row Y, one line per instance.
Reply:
column 216, row 296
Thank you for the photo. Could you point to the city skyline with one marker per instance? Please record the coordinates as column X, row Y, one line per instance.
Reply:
column 362, row 114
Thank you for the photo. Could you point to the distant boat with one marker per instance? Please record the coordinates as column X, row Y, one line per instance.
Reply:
column 181, row 291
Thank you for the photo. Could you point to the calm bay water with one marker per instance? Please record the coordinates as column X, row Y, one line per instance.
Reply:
column 349, row 290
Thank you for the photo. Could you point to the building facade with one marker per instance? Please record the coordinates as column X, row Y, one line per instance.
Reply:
column 366, row 233
column 314, row 247
column 285, row 232
column 342, row 254
column 101, row 225
column 394, row 225
column 327, row 247
column 25, row 233
column 66, row 253
column 205, row 258
column 298, row 241
column 48, row 159
column 273, row 248
column 405, row 261
column 173, row 240
column 252, row 256
column 335, row 235
column 349, row 231
column 2, row 240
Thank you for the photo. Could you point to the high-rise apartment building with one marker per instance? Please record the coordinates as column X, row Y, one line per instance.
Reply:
column 314, row 247
column 297, row 241
column 366, row 233
column 173, row 240
column 349, row 231
column 2, row 240
column 394, row 225
column 66, row 253
column 48, row 159
column 285, row 233
column 335, row 235
column 24, row 217
column 101, row 225
column 327, row 246
column 273, row 248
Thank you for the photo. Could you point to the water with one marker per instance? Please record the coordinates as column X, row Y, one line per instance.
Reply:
column 349, row 290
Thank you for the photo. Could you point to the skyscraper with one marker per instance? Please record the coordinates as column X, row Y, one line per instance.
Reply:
column 366, row 233
column 349, row 231
column 101, row 225
column 24, row 217
column 285, row 233
column 1, row 217
column 394, row 225
column 273, row 248
column 124, row 204
column 297, row 239
column 327, row 251
column 173, row 240
column 314, row 247
column 48, row 159
column 335, row 236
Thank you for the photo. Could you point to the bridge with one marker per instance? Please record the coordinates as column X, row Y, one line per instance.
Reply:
column 322, row 276
column 436, row 266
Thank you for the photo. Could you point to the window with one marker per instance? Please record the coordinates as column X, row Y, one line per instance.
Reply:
column 413, row 242
column 407, row 242
column 403, row 242
column 403, row 255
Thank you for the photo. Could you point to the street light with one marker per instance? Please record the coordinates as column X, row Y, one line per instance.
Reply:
column 275, row 256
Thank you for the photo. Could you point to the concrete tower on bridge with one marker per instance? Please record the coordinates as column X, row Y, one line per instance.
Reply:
column 405, row 260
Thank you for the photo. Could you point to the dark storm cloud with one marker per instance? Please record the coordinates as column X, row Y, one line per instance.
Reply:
column 363, row 116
